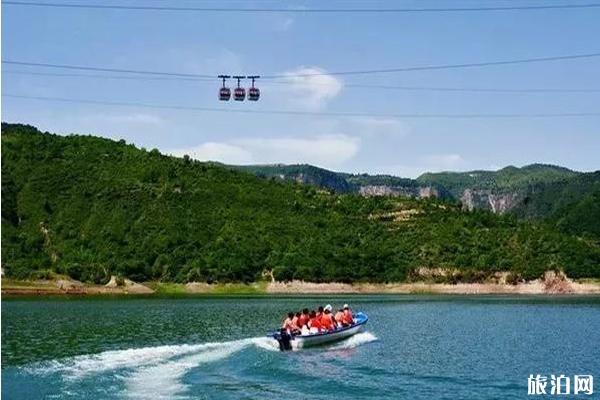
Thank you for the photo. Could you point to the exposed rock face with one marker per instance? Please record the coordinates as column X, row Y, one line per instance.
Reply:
column 501, row 203
column 428, row 191
column 69, row 284
column 557, row 282
column 386, row 190
column 488, row 200
column 128, row 286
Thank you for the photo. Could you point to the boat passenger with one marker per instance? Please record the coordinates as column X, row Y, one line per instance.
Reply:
column 348, row 318
column 314, row 323
column 297, row 327
column 288, row 324
column 339, row 318
column 327, row 318
column 303, row 319
column 320, row 312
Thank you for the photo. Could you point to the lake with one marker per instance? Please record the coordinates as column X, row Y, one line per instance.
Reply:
column 415, row 347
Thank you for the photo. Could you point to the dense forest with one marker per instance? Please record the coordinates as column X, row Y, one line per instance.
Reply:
column 449, row 185
column 506, row 179
column 301, row 173
column 572, row 205
column 91, row 207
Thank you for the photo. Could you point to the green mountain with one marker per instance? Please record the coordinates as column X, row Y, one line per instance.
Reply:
column 340, row 182
column 301, row 173
column 370, row 185
column 498, row 191
column 92, row 207
column 572, row 204
column 506, row 179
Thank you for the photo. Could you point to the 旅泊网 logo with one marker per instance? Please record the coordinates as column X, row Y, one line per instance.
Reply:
column 560, row 385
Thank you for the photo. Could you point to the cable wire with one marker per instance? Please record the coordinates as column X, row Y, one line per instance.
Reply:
column 300, row 10
column 336, row 73
column 305, row 113
column 346, row 85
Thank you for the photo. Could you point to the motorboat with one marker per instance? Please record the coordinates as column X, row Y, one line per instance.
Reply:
column 289, row 341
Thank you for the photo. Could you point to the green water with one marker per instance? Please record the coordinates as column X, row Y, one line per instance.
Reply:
column 415, row 347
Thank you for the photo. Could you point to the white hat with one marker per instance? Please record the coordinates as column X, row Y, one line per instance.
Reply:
column 345, row 306
column 328, row 307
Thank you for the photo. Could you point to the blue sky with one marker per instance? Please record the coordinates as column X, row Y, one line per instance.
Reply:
column 285, row 43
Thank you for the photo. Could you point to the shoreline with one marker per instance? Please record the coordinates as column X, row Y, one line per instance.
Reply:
column 63, row 287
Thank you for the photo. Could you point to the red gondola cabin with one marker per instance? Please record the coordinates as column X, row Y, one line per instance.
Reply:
column 253, row 94
column 224, row 94
column 239, row 94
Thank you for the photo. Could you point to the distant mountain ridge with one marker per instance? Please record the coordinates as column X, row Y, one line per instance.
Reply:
column 567, row 198
column 498, row 191
column 301, row 173
column 573, row 205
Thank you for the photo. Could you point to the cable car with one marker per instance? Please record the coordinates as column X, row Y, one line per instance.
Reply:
column 253, row 92
column 224, row 91
column 239, row 93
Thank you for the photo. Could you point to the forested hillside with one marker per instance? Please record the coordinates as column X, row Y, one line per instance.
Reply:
column 301, row 173
column 573, row 204
column 91, row 207
column 499, row 191
column 506, row 179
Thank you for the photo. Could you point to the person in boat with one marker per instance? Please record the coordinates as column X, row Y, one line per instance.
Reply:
column 320, row 312
column 314, row 324
column 289, row 325
column 327, row 321
column 339, row 318
column 295, row 321
column 303, row 318
column 348, row 317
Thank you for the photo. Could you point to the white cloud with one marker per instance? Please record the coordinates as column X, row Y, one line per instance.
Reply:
column 324, row 150
column 215, row 151
column 312, row 87
column 321, row 150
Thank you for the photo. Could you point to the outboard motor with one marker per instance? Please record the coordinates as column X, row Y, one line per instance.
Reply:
column 284, row 339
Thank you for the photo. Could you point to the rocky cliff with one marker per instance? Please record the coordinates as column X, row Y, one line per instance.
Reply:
column 498, row 191
column 486, row 199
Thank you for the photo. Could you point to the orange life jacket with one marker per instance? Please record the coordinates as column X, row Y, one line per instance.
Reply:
column 348, row 317
column 339, row 317
column 302, row 320
column 327, row 321
column 315, row 323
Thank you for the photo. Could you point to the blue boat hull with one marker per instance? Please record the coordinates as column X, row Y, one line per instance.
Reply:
column 317, row 339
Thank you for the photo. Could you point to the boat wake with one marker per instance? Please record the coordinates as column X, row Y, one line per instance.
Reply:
column 157, row 372
column 354, row 341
